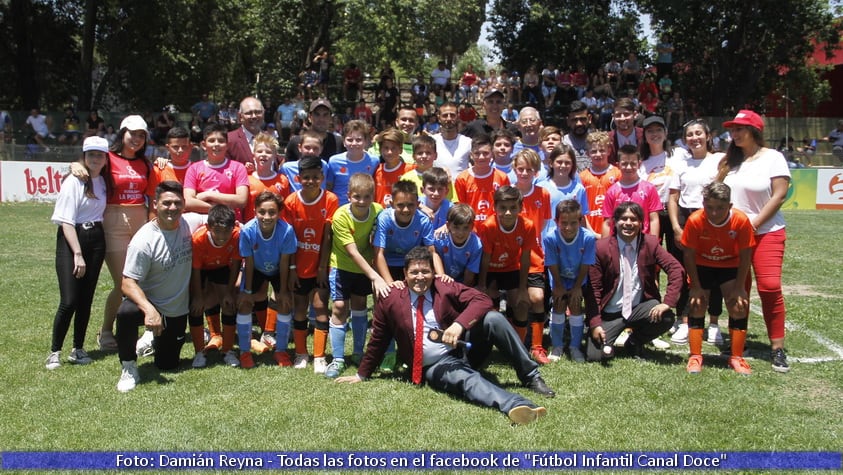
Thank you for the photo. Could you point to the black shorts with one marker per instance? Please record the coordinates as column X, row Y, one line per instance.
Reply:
column 215, row 276
column 258, row 278
column 714, row 277
column 306, row 285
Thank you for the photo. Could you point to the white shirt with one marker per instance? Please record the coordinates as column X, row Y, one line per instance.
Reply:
column 440, row 76
column 452, row 155
column 615, row 303
column 432, row 351
column 73, row 206
column 690, row 175
column 752, row 187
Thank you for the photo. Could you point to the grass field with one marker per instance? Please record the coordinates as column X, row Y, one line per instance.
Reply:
column 626, row 406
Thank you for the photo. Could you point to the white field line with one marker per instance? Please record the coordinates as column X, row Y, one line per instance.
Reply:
column 830, row 345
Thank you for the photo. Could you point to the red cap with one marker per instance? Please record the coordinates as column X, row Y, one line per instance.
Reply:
column 745, row 117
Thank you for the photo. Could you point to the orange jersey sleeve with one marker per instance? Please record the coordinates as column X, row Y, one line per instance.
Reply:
column 207, row 255
column 279, row 184
column 384, row 179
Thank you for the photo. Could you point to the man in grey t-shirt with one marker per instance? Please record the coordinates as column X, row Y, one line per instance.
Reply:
column 156, row 277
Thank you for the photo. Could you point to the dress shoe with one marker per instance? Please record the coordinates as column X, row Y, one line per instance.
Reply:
column 538, row 385
column 521, row 415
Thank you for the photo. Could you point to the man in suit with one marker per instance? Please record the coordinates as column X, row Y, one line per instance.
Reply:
column 251, row 115
column 452, row 309
column 625, row 286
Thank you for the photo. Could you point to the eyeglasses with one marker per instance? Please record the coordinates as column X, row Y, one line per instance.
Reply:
column 529, row 121
column 254, row 113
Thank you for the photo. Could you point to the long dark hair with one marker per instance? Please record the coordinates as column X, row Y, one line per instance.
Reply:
column 117, row 148
column 645, row 145
column 734, row 154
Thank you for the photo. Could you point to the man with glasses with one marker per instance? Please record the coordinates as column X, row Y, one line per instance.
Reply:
column 240, row 140
column 529, row 124
column 625, row 132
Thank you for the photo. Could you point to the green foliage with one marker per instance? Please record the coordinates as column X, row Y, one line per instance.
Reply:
column 564, row 32
column 735, row 53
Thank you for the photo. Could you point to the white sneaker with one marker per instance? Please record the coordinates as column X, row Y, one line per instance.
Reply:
column 129, row 378
column 556, row 354
column 300, row 362
column 681, row 335
column 660, row 344
column 320, row 365
column 79, row 356
column 144, row 346
column 621, row 339
column 713, row 335
column 199, row 361
column 231, row 359
column 54, row 360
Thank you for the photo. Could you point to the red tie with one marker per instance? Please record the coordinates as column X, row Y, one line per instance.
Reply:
column 418, row 346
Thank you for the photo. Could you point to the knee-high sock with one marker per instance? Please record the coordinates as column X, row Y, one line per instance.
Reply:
column 244, row 332
column 695, row 334
column 300, row 336
column 557, row 329
column 228, row 332
column 282, row 330
column 337, row 333
column 577, row 328
column 213, row 324
column 320, row 337
column 359, row 326
column 197, row 333
column 272, row 319
column 737, row 333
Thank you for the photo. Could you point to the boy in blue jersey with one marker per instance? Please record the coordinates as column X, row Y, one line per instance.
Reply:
column 354, row 160
column 569, row 252
column 266, row 244
column 310, row 144
column 352, row 276
column 460, row 249
column 435, row 203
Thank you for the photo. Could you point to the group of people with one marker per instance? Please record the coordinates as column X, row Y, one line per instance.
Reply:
column 465, row 239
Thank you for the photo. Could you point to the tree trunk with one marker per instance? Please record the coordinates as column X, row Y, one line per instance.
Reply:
column 24, row 54
column 87, row 60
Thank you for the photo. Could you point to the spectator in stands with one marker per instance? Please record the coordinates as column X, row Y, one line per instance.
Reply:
column 532, row 92
column 285, row 115
column 205, row 108
column 40, row 126
column 71, row 130
column 835, row 137
column 351, row 77
column 664, row 56
column 440, row 81
column 631, row 72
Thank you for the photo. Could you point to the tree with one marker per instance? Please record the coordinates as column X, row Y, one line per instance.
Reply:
column 730, row 55
column 564, row 32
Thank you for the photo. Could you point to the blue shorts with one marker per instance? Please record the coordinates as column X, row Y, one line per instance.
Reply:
column 344, row 284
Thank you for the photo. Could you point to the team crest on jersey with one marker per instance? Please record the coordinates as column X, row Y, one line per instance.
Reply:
column 415, row 233
column 520, row 241
column 343, row 170
column 495, row 186
column 612, row 180
column 538, row 203
column 255, row 246
column 733, row 234
column 642, row 194
column 228, row 174
column 445, row 250
column 324, row 213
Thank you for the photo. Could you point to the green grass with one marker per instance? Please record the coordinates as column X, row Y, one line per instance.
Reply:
column 626, row 406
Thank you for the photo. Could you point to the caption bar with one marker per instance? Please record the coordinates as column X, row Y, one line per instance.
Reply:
column 420, row 460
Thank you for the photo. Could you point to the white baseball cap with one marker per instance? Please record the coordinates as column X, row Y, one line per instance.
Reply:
column 95, row 143
column 133, row 122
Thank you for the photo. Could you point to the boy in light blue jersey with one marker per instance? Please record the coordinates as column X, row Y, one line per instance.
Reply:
column 266, row 244
column 354, row 160
column 460, row 249
column 434, row 202
column 310, row 144
column 569, row 252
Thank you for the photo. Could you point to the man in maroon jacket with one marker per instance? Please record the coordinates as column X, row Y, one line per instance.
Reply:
column 451, row 309
column 626, row 288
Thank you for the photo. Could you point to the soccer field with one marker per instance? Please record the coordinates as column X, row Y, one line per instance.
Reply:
column 627, row 405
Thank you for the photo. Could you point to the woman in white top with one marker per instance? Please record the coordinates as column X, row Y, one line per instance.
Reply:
column 80, row 250
column 657, row 168
column 693, row 170
column 759, row 179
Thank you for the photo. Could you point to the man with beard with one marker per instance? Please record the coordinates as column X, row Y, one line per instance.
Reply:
column 493, row 104
column 452, row 148
column 579, row 122
column 320, row 122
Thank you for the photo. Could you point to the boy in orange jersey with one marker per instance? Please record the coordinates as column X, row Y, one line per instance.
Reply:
column 597, row 178
column 265, row 178
column 476, row 186
column 216, row 265
column 508, row 239
column 718, row 241
column 310, row 211
column 536, row 208
column 179, row 148
column 390, row 144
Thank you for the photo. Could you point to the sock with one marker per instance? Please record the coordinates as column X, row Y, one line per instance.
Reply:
column 228, row 332
column 359, row 326
column 197, row 334
column 213, row 324
column 244, row 332
column 282, row 331
column 557, row 330
column 320, row 337
column 272, row 319
column 337, row 333
column 536, row 329
column 300, row 336
column 577, row 329
column 520, row 329
column 737, row 333
column 695, row 334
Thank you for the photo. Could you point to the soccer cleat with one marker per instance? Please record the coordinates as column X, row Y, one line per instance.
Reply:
column 660, row 344
column 319, row 365
column 334, row 369
column 54, row 360
column 539, row 354
column 300, row 361
column 79, row 356
column 577, row 355
column 268, row 339
column 282, row 358
column 779, row 359
column 556, row 353
column 695, row 364
column 681, row 335
column 246, row 360
column 713, row 335
column 259, row 347
column 200, row 361
column 740, row 365
column 388, row 364
column 521, row 415
column 144, row 344
column 106, row 341
column 214, row 343
column 129, row 377
column 231, row 359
